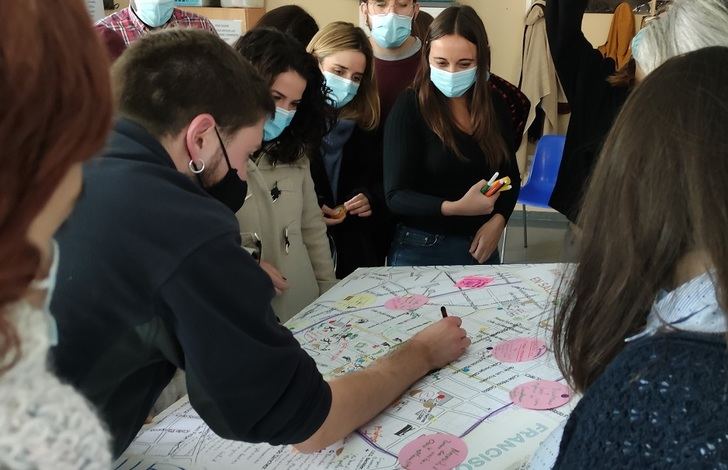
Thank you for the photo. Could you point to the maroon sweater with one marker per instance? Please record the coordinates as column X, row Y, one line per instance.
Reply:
column 393, row 77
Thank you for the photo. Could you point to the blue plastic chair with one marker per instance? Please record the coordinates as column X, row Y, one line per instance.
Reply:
column 544, row 171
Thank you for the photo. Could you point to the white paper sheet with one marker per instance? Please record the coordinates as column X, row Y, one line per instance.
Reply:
column 228, row 30
column 350, row 327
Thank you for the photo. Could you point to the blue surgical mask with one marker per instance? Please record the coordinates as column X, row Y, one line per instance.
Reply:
column 154, row 13
column 453, row 84
column 390, row 30
column 342, row 91
column 276, row 125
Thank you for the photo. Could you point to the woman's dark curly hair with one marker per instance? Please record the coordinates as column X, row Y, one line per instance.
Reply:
column 272, row 52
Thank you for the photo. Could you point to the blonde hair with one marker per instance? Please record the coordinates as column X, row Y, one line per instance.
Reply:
column 341, row 36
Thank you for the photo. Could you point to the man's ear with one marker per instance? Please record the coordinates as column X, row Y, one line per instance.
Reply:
column 364, row 13
column 199, row 137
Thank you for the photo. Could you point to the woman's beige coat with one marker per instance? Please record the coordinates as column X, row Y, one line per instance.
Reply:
column 294, row 217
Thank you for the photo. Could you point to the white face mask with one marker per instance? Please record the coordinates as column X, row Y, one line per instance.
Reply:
column 49, row 286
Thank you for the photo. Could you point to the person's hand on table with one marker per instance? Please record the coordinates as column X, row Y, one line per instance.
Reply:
column 443, row 342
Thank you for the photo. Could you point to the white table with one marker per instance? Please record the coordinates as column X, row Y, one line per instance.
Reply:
column 350, row 327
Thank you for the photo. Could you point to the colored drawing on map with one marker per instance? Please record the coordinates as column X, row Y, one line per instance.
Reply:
column 433, row 452
column 474, row 282
column 520, row 350
column 406, row 303
column 541, row 395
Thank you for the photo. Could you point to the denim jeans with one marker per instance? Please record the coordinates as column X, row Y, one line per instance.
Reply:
column 413, row 247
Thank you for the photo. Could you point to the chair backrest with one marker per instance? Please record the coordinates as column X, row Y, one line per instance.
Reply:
column 546, row 162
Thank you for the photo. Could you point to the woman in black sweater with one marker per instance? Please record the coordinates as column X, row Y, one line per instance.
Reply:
column 443, row 140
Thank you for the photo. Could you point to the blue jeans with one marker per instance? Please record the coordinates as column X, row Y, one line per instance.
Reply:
column 413, row 247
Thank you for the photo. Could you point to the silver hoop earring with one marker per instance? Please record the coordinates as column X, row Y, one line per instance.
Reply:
column 194, row 169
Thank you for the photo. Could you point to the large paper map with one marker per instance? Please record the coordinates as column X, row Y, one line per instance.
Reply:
column 364, row 317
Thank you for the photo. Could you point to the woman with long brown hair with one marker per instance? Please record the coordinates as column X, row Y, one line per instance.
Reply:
column 641, row 327
column 443, row 140
column 56, row 109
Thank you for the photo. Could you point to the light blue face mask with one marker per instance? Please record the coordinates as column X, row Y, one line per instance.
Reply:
column 275, row 126
column 154, row 13
column 453, row 84
column 390, row 30
column 342, row 91
column 636, row 40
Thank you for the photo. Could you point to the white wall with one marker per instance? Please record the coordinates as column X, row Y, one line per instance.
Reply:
column 503, row 20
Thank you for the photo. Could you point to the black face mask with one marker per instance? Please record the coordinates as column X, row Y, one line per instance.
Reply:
column 230, row 190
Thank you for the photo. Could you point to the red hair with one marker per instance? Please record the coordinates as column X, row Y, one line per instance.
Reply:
column 56, row 110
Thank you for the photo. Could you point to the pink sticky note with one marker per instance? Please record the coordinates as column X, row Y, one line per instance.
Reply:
column 474, row 282
column 541, row 395
column 433, row 452
column 520, row 350
column 408, row 302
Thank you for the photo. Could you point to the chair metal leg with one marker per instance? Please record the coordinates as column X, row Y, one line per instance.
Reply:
column 525, row 228
column 503, row 248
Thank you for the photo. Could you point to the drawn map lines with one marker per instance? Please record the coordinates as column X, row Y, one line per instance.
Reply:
column 351, row 326
column 458, row 398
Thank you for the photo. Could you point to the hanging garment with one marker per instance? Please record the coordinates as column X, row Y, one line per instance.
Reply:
column 539, row 79
column 620, row 37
